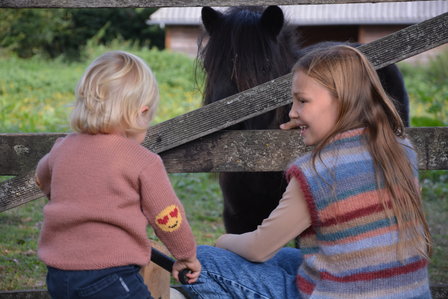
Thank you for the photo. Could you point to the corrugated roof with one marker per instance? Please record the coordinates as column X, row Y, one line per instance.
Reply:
column 325, row 14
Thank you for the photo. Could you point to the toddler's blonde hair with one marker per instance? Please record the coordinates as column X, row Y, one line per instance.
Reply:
column 111, row 93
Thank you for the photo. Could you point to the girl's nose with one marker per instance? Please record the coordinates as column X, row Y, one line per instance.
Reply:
column 293, row 113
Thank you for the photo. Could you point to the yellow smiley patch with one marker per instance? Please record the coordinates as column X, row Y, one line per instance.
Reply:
column 169, row 219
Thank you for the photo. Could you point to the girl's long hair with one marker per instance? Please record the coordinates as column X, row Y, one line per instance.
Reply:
column 363, row 103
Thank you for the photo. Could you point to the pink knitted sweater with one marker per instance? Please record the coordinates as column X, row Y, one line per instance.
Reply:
column 104, row 190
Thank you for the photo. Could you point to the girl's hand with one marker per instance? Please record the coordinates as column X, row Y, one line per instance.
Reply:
column 193, row 264
column 37, row 181
column 291, row 124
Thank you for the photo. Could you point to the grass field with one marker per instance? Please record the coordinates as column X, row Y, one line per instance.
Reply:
column 35, row 96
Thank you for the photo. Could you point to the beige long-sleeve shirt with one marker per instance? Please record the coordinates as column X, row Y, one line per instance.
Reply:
column 287, row 221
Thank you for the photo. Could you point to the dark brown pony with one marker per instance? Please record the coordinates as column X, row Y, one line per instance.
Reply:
column 248, row 46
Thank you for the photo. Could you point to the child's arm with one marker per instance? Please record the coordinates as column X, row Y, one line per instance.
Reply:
column 43, row 171
column 166, row 215
column 287, row 221
column 43, row 175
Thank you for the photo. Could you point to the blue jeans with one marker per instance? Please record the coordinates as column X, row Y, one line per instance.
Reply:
column 109, row 283
column 228, row 275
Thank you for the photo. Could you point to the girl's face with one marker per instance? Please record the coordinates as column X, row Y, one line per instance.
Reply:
column 314, row 110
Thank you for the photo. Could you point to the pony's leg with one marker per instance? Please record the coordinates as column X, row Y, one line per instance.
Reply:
column 249, row 198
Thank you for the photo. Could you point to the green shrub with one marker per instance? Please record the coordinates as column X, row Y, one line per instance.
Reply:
column 428, row 91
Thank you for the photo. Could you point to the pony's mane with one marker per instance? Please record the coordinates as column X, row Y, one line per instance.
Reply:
column 240, row 54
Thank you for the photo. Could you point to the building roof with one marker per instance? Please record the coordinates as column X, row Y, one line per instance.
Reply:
column 324, row 14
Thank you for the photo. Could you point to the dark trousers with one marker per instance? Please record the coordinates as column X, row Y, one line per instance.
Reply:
column 109, row 283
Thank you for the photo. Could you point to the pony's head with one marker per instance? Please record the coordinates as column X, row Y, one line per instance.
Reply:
column 246, row 46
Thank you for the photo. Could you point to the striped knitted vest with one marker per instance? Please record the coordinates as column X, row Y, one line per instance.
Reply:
column 350, row 248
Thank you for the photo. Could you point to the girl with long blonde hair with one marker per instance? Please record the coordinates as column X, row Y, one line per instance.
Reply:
column 354, row 200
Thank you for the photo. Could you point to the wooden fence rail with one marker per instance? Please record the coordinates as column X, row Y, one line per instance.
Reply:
column 224, row 151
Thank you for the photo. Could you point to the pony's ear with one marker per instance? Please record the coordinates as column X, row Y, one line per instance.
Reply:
column 211, row 19
column 272, row 20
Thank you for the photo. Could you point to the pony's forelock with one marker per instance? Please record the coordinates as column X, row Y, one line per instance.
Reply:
column 240, row 54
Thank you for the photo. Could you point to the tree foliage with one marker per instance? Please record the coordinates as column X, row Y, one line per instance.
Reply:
column 428, row 91
column 52, row 32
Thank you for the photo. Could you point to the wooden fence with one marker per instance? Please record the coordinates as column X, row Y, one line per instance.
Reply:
column 196, row 142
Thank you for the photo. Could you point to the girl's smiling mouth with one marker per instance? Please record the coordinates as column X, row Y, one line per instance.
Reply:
column 302, row 129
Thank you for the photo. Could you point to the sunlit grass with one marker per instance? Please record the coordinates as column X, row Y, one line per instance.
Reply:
column 37, row 95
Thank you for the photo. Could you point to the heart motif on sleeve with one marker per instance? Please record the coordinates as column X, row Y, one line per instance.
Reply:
column 169, row 219
column 163, row 220
column 174, row 213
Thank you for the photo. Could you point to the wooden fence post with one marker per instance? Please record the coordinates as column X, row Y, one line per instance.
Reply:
column 156, row 278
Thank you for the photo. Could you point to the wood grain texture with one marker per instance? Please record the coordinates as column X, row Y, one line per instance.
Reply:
column 408, row 42
column 168, row 3
column 224, row 151
column 155, row 277
column 21, row 152
column 273, row 150
column 227, row 151
column 25, row 294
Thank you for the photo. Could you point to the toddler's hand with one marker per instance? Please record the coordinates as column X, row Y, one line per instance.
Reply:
column 193, row 264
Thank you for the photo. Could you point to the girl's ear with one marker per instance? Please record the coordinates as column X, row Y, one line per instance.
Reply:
column 272, row 20
column 211, row 19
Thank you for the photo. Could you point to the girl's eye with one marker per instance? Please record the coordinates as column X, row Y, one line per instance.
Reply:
column 299, row 100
